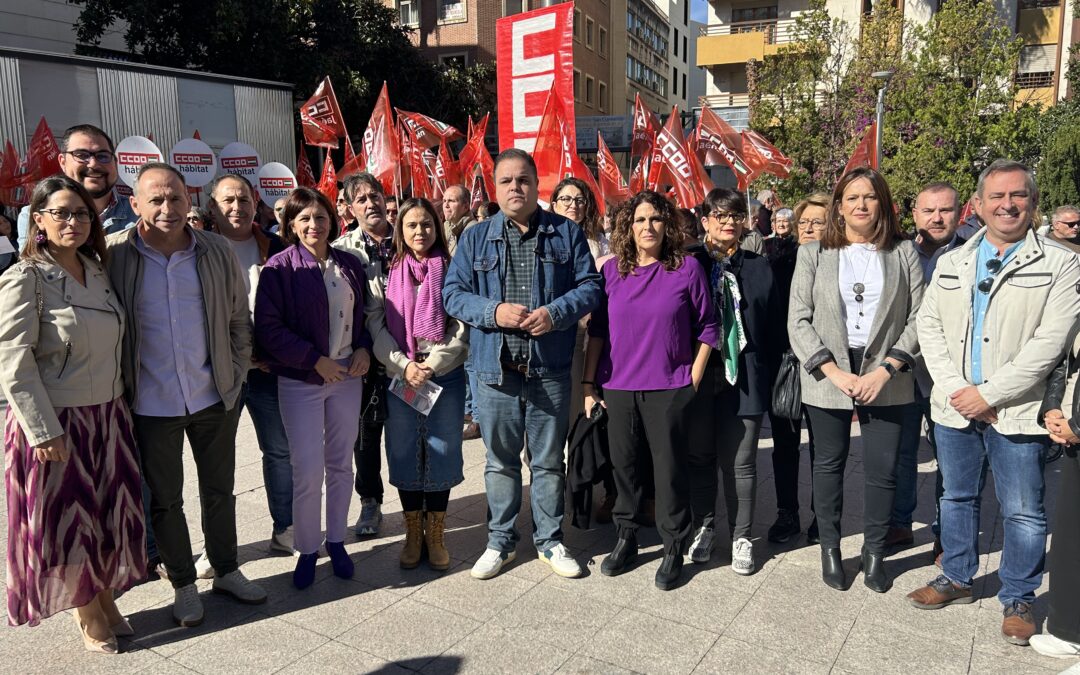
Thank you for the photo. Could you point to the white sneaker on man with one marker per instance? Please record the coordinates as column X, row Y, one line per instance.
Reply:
column 491, row 563
column 742, row 556
column 240, row 588
column 1049, row 645
column 561, row 562
column 370, row 517
column 282, row 542
column 187, row 608
column 203, row 568
column 702, row 545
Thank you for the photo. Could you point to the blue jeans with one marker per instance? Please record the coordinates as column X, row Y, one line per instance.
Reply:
column 261, row 398
column 470, row 393
column 423, row 454
column 907, row 466
column 524, row 409
column 1017, row 463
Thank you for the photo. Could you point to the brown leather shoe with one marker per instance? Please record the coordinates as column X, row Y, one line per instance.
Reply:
column 1018, row 625
column 470, row 432
column 940, row 593
column 937, row 552
column 899, row 538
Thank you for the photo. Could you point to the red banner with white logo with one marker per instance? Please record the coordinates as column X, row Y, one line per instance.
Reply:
column 613, row 189
column 718, row 144
column 427, row 131
column 777, row 163
column 556, row 151
column 475, row 158
column 44, row 154
column 381, row 147
column 534, row 51
column 672, row 162
column 328, row 183
column 304, row 175
column 646, row 126
column 321, row 117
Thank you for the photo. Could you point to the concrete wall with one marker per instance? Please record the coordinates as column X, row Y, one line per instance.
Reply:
column 47, row 25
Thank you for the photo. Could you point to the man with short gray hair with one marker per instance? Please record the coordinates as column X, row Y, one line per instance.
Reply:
column 1065, row 227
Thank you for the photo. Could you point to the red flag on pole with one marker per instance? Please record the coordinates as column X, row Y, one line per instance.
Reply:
column 646, row 126
column 196, row 135
column 719, row 144
column 555, row 151
column 865, row 153
column 672, row 162
column 44, row 154
column 475, row 154
column 381, row 144
column 305, row 177
column 613, row 189
column 477, row 196
column 778, row 164
column 421, row 186
column 328, row 182
column 446, row 168
column 427, row 131
column 321, row 118
column 350, row 154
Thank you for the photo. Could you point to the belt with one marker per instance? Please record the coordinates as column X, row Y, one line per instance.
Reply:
column 515, row 367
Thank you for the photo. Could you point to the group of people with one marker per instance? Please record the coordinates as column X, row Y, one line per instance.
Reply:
column 348, row 325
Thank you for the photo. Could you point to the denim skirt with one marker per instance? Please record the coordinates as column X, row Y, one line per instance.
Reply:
column 423, row 453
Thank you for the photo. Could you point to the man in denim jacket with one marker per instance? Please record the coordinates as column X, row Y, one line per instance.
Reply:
column 522, row 280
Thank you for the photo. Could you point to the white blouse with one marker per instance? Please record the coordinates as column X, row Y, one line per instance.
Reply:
column 860, row 264
column 342, row 300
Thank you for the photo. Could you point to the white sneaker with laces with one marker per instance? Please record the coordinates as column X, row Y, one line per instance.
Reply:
column 491, row 563
column 561, row 562
column 370, row 517
column 282, row 542
column 203, row 568
column 742, row 556
column 240, row 588
column 187, row 608
column 1049, row 645
column 702, row 545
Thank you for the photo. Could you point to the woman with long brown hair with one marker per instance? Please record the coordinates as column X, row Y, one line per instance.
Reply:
column 851, row 321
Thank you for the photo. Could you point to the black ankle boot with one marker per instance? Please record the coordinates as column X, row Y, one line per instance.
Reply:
column 667, row 577
column 618, row 561
column 874, row 576
column 832, row 569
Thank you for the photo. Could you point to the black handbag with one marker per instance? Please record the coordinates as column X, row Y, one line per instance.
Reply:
column 787, row 391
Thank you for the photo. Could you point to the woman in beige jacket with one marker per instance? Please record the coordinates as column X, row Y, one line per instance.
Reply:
column 74, row 495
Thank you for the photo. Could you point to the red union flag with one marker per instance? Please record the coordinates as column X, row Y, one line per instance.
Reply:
column 646, row 126
column 556, row 152
column 777, row 162
column 321, row 117
column 718, row 143
column 672, row 162
column 428, row 132
column 328, row 182
column 446, row 168
column 44, row 153
column 865, row 152
column 304, row 175
column 534, row 51
column 475, row 158
column 381, row 145
column 613, row 189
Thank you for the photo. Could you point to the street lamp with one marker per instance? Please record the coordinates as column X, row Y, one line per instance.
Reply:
column 884, row 76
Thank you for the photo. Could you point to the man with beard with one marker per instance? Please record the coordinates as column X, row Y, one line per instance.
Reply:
column 88, row 156
column 1065, row 227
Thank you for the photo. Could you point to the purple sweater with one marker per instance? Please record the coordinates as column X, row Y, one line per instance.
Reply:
column 652, row 322
column 292, row 314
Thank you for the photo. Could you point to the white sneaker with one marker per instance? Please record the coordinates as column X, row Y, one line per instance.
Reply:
column 702, row 546
column 203, row 568
column 1048, row 645
column 491, row 563
column 561, row 562
column 237, row 585
column 282, row 542
column 187, row 608
column 370, row 517
column 742, row 556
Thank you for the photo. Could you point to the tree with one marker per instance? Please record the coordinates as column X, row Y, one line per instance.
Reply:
column 358, row 43
column 1059, row 171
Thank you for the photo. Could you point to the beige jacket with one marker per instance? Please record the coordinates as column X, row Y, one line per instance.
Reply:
column 443, row 357
column 353, row 242
column 69, row 357
column 228, row 319
column 1032, row 316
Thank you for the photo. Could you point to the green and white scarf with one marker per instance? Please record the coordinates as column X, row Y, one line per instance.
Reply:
column 727, row 300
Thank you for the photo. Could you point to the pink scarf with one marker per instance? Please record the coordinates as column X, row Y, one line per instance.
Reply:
column 412, row 315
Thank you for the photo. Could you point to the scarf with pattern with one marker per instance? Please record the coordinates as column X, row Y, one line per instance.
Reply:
column 412, row 314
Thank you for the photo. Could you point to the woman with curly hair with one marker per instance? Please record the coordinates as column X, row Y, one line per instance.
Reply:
column 648, row 346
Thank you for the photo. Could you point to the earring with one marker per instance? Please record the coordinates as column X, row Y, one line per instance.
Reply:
column 40, row 238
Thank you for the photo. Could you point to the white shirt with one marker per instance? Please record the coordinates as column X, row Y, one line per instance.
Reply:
column 860, row 264
column 251, row 262
column 340, row 298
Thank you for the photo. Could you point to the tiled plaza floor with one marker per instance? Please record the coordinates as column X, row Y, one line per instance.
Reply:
column 388, row 620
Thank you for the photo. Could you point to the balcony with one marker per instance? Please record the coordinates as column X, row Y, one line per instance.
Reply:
column 725, row 100
column 733, row 43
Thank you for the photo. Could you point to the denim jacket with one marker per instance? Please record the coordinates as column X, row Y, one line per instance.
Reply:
column 565, row 283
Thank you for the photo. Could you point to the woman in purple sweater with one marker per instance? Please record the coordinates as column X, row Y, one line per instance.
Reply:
column 309, row 329
column 648, row 346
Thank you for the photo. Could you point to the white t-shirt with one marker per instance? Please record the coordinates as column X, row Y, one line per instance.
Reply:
column 860, row 264
column 250, row 262
column 340, row 297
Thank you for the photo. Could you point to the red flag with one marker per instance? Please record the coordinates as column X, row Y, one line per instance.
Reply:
column 555, row 151
column 646, row 126
column 719, row 144
column 475, row 154
column 328, row 182
column 321, row 118
column 613, row 189
column 969, row 208
column 428, row 132
column 421, row 186
column 196, row 135
column 305, row 177
column 639, row 174
column 446, row 168
column 350, row 154
column 478, row 196
column 381, row 145
column 44, row 154
column 672, row 162
column 9, row 170
column 778, row 163
column 865, row 153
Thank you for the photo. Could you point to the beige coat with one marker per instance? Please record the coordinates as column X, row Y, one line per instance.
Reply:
column 228, row 318
column 69, row 357
column 1032, row 316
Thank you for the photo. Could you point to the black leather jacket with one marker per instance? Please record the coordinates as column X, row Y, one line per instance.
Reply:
column 1055, row 392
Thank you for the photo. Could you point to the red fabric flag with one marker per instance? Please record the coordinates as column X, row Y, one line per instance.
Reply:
column 778, row 163
column 475, row 154
column 446, row 168
column 673, row 163
column 381, row 145
column 639, row 174
column 478, row 196
column 304, row 175
column 427, row 131
column 350, row 154
column 967, row 211
column 646, row 126
column 865, row 153
column 328, row 182
column 555, row 152
column 418, row 175
column 196, row 135
column 44, row 154
column 321, row 118
column 719, row 144
column 9, row 178
column 613, row 189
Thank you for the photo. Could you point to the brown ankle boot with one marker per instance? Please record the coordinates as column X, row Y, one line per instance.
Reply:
column 438, row 556
column 414, row 539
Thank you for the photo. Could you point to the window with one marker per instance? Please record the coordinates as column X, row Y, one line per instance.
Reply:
column 589, row 86
column 459, row 59
column 685, row 52
column 511, row 7
column 452, row 11
column 590, row 27
column 686, row 13
column 577, row 25
column 684, row 92
column 409, row 12
column 754, row 14
column 1034, row 80
column 674, row 80
column 577, row 85
column 676, row 42
column 602, row 102
column 1035, row 4
column 603, row 41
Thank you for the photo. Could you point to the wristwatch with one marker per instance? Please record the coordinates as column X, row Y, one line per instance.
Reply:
column 889, row 368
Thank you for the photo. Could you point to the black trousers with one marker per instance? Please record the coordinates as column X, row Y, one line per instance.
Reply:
column 1063, row 621
column 654, row 423
column 367, row 452
column 880, row 427
column 787, row 441
column 212, row 435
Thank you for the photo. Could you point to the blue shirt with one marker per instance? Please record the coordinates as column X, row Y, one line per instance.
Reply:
column 981, row 301
column 117, row 216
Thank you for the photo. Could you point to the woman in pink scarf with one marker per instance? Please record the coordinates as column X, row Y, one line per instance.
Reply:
column 419, row 344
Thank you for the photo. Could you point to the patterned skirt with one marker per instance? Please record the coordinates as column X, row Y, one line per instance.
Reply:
column 75, row 528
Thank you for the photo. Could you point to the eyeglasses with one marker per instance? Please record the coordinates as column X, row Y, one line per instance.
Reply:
column 817, row 223
column 84, row 156
column 567, row 200
column 1068, row 223
column 721, row 216
column 193, row 219
column 993, row 266
column 63, row 215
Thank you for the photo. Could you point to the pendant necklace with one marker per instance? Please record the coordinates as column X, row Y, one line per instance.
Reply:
column 859, row 288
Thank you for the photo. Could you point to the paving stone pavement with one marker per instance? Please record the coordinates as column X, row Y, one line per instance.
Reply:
column 389, row 620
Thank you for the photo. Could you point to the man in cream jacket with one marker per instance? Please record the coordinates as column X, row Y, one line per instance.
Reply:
column 994, row 322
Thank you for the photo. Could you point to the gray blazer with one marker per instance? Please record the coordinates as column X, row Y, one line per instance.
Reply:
column 818, row 334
